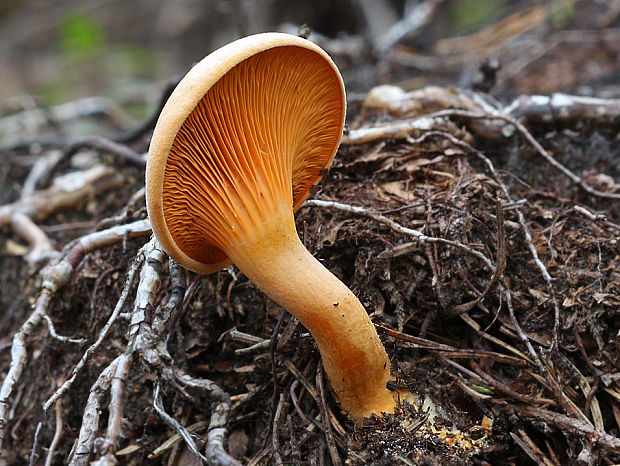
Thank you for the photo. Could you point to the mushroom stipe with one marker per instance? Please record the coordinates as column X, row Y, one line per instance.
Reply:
column 237, row 147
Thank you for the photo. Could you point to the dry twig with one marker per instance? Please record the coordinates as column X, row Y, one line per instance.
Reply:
column 67, row 191
column 54, row 277
column 329, row 435
column 174, row 424
column 149, row 345
column 533, row 142
column 103, row 334
column 57, row 435
column 421, row 237
column 574, row 426
column 80, row 454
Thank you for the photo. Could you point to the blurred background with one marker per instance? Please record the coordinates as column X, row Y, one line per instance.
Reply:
column 127, row 51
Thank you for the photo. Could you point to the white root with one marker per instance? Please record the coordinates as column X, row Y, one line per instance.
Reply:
column 67, row 191
column 54, row 277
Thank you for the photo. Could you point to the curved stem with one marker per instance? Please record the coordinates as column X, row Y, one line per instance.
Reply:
column 355, row 361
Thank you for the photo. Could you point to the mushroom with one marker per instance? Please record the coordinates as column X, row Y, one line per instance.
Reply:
column 237, row 147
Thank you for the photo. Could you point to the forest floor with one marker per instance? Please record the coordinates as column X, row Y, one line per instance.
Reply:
column 481, row 234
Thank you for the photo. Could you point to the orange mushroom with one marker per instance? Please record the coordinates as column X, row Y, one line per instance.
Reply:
column 236, row 149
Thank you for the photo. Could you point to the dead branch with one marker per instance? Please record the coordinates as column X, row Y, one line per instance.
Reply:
column 561, row 397
column 41, row 248
column 140, row 257
column 417, row 16
column 574, row 426
column 123, row 152
column 39, row 171
column 379, row 16
column 534, row 143
column 54, row 277
column 275, row 426
column 395, row 130
column 53, row 334
column 109, row 444
column 492, row 35
column 596, row 217
column 165, row 316
column 33, row 451
column 90, row 419
column 256, row 343
column 150, row 347
column 67, row 191
column 528, row 239
column 174, row 424
column 497, row 385
column 449, row 351
column 148, row 284
column 123, row 216
column 557, row 106
column 530, row 448
column 218, row 428
column 329, row 435
column 562, row 108
column 419, row 102
column 145, row 300
column 32, row 119
column 307, row 420
column 421, row 237
column 151, row 255
column 173, row 441
column 57, row 434
column 476, row 327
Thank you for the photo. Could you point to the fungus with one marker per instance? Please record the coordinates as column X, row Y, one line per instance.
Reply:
column 236, row 149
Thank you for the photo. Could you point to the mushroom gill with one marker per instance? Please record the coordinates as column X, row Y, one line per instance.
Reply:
column 251, row 148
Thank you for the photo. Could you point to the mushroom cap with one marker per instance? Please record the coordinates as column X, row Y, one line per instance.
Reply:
column 249, row 128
